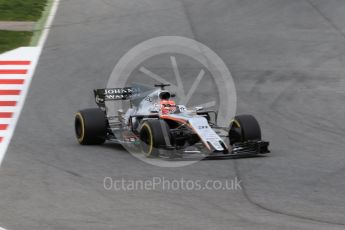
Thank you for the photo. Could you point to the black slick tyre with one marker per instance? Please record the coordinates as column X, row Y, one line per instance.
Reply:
column 154, row 134
column 244, row 128
column 90, row 126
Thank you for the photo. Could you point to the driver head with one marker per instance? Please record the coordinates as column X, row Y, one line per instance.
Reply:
column 167, row 106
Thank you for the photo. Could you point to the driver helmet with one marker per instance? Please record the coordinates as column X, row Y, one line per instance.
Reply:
column 167, row 106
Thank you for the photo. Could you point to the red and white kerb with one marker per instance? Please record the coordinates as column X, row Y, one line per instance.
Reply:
column 16, row 70
column 13, row 74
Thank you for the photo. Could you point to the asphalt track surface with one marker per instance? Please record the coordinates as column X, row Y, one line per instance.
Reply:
column 287, row 59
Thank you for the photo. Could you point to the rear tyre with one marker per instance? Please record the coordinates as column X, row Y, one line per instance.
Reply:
column 244, row 128
column 90, row 126
column 154, row 134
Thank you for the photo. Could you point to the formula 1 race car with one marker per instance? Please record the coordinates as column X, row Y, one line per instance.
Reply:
column 157, row 127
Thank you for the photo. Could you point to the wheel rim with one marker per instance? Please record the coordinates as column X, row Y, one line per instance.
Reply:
column 79, row 127
column 235, row 133
column 146, row 140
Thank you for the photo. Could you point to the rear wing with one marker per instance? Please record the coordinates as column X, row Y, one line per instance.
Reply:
column 114, row 94
column 136, row 93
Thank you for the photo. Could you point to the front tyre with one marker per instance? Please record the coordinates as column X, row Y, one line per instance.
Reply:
column 154, row 134
column 90, row 126
column 244, row 128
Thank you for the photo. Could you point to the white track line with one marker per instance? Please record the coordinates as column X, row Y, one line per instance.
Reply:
column 49, row 23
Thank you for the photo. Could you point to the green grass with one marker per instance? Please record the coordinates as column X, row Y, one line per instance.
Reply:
column 12, row 39
column 21, row 10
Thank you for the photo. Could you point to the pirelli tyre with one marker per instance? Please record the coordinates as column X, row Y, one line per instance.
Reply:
column 154, row 134
column 90, row 126
column 244, row 128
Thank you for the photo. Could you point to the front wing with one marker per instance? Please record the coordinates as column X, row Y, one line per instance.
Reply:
column 245, row 149
column 197, row 151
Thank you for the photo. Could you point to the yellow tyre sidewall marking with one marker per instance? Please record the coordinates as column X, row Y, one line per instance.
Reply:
column 80, row 117
column 151, row 139
column 236, row 123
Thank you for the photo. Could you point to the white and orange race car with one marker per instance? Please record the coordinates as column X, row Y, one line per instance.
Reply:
column 158, row 127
